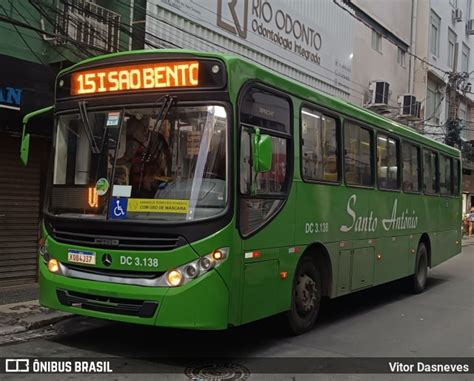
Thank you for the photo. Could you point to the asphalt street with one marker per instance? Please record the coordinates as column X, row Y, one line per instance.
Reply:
column 381, row 322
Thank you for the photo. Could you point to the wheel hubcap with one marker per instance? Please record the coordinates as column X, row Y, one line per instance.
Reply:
column 306, row 293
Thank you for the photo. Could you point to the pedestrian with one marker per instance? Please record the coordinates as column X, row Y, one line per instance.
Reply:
column 471, row 220
column 465, row 223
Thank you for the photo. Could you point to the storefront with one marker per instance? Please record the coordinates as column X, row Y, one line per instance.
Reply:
column 24, row 87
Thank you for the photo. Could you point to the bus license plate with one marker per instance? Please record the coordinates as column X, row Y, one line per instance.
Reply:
column 80, row 256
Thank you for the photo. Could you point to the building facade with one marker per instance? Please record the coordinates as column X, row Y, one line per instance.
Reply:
column 445, row 39
column 381, row 63
column 419, row 53
column 38, row 38
column 309, row 41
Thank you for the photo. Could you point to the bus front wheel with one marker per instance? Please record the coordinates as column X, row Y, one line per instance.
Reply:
column 306, row 297
column 418, row 279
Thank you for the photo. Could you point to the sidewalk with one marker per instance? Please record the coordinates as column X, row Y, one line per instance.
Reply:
column 20, row 310
column 467, row 241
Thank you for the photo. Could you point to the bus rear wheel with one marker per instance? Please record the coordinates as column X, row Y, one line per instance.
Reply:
column 418, row 279
column 306, row 297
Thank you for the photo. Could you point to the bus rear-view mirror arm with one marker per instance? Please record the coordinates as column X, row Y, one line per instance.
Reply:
column 25, row 137
column 261, row 152
column 261, row 155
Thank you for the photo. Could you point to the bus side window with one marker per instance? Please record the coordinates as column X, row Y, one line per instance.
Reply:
column 455, row 173
column 387, row 162
column 319, row 144
column 411, row 168
column 430, row 172
column 271, row 182
column 262, row 194
column 445, row 182
column 358, row 155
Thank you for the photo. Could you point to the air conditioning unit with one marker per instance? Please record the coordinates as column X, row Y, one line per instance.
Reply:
column 457, row 15
column 409, row 107
column 418, row 110
column 468, row 87
column 378, row 96
column 379, row 92
column 470, row 27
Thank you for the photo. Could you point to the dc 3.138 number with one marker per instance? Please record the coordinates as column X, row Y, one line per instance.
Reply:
column 316, row 227
column 139, row 261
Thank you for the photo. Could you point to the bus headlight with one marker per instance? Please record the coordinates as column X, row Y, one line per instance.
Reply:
column 206, row 263
column 191, row 271
column 53, row 265
column 174, row 278
column 194, row 269
column 218, row 255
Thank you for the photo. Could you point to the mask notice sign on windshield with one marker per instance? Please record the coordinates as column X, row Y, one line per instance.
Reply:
column 120, row 207
column 138, row 205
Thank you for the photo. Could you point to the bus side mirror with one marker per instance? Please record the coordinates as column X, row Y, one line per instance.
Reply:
column 261, row 152
column 25, row 147
column 25, row 137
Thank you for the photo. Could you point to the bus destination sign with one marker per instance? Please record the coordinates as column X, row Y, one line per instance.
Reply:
column 157, row 75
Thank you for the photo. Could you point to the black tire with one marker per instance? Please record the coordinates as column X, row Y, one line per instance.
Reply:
column 306, row 297
column 418, row 279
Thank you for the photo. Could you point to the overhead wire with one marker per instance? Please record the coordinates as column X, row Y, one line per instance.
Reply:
column 86, row 48
column 27, row 9
column 40, row 59
column 83, row 47
column 10, row 20
column 122, row 26
column 126, row 29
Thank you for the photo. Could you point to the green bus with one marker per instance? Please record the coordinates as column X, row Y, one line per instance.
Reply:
column 199, row 190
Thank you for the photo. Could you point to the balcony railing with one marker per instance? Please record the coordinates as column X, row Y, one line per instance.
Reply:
column 89, row 24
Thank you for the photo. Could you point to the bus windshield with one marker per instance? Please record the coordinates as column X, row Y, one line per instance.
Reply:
column 132, row 164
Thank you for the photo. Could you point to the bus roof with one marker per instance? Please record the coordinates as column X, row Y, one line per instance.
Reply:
column 296, row 89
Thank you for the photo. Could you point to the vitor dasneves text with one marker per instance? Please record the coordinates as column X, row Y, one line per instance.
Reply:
column 421, row 367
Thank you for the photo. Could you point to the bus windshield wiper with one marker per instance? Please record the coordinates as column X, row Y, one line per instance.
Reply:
column 149, row 150
column 87, row 127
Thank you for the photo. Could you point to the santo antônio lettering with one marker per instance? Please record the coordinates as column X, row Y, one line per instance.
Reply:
column 369, row 223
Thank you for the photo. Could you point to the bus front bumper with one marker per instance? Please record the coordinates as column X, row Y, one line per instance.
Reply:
column 199, row 304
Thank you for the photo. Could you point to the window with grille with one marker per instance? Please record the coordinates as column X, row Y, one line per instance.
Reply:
column 90, row 24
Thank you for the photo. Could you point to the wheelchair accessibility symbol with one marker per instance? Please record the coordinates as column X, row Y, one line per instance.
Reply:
column 118, row 211
column 118, row 207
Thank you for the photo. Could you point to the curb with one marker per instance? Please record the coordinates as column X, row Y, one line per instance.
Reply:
column 24, row 316
column 36, row 322
column 12, row 329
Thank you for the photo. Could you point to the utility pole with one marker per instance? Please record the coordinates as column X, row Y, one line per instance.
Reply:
column 456, row 81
